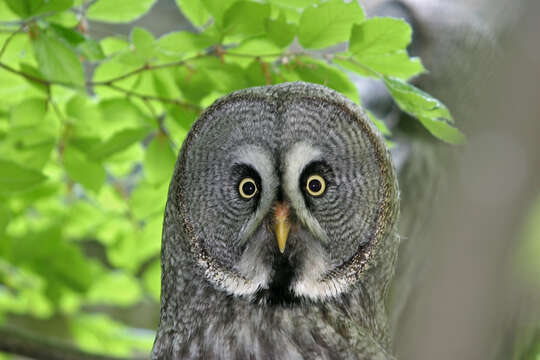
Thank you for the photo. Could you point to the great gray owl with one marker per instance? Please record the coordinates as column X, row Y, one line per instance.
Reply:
column 279, row 235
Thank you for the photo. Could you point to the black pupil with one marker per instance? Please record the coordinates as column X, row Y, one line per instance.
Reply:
column 315, row 185
column 249, row 188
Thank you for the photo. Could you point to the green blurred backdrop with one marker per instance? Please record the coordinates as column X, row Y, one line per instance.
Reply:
column 96, row 98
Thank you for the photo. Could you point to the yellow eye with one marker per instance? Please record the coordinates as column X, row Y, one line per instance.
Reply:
column 315, row 185
column 247, row 188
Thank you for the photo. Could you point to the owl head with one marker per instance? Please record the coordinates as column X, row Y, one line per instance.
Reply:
column 281, row 193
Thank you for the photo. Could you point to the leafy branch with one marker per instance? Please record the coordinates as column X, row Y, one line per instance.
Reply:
column 109, row 83
column 90, row 153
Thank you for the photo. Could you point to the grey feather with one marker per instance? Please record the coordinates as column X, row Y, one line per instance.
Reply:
column 227, row 291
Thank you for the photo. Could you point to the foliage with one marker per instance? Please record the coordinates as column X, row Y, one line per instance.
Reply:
column 90, row 129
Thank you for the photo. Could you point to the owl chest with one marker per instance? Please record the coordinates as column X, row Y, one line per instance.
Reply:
column 245, row 332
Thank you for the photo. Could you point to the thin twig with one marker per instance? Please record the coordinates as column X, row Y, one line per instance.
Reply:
column 146, row 67
column 10, row 37
column 154, row 98
column 56, row 109
column 48, row 83
column 27, row 76
column 359, row 64
column 152, row 112
column 6, row 30
column 28, row 20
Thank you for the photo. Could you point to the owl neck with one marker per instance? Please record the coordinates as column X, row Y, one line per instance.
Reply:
column 199, row 321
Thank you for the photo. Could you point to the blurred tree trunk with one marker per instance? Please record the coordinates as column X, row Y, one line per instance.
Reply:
column 455, row 294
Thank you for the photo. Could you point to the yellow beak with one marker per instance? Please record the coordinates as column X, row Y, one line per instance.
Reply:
column 282, row 225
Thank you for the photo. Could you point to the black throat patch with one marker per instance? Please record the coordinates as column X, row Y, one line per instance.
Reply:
column 278, row 291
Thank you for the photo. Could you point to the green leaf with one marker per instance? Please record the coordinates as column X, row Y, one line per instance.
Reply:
column 379, row 36
column 99, row 334
column 442, row 130
column 195, row 85
column 115, row 288
column 134, row 247
column 159, row 160
column 57, row 61
column 112, row 199
column 217, row 9
column 91, row 50
column 184, row 43
column 119, row 114
column 80, row 169
column 148, row 199
column 329, row 23
column 226, row 77
column 123, row 163
column 256, row 46
column 118, row 142
column 152, row 280
column 27, row 8
column 16, row 177
column 83, row 220
column 396, row 64
column 23, row 293
column 31, row 136
column 70, row 35
column 378, row 47
column 259, row 73
column 119, row 11
column 182, row 119
column 5, row 216
column 30, row 112
column 85, row 117
column 142, row 39
column 62, row 263
column 164, row 84
column 144, row 48
column 113, row 44
column 319, row 72
column 69, row 19
column 246, row 18
column 297, row 4
column 431, row 112
column 195, row 11
column 281, row 32
column 29, row 146
column 6, row 14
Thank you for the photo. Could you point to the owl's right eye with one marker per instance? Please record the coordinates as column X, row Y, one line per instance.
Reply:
column 247, row 188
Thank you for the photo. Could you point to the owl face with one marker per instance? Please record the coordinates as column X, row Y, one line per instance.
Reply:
column 284, row 193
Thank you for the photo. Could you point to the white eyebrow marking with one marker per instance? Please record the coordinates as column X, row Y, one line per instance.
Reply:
column 298, row 157
column 263, row 162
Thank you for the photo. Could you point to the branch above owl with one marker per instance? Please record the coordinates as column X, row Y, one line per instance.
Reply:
column 375, row 48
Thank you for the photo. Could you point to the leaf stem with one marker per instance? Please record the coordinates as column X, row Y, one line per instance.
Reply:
column 10, row 37
column 359, row 64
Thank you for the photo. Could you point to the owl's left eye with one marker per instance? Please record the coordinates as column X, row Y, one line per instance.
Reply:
column 315, row 185
column 247, row 188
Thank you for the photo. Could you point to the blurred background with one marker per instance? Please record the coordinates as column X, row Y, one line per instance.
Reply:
column 79, row 252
